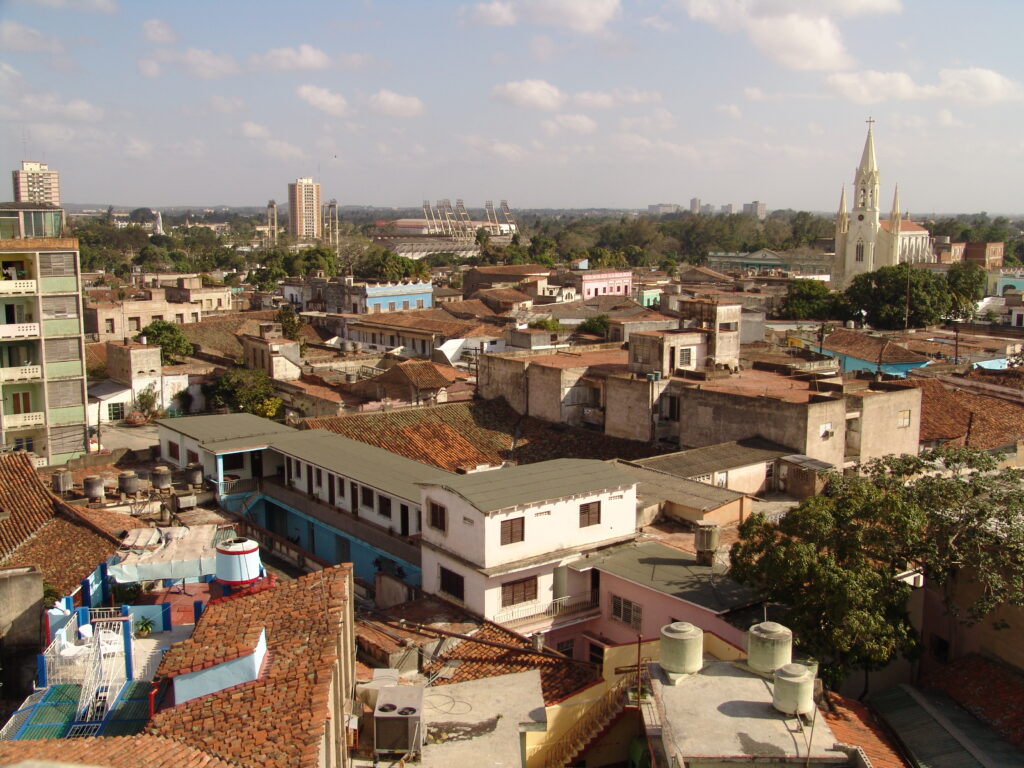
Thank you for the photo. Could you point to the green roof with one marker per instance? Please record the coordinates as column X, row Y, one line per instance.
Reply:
column 497, row 489
column 209, row 431
column 368, row 464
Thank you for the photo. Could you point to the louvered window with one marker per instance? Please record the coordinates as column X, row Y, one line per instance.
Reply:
column 64, row 394
column 56, row 264
column 590, row 514
column 59, row 307
column 67, row 439
column 515, row 592
column 627, row 611
column 512, row 531
column 60, row 350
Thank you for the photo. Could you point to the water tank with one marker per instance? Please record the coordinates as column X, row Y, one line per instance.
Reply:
column 769, row 646
column 161, row 478
column 794, row 690
column 238, row 561
column 194, row 474
column 128, row 482
column 682, row 648
column 706, row 540
column 62, row 481
column 92, row 485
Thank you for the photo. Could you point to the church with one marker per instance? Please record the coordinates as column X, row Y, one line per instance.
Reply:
column 864, row 240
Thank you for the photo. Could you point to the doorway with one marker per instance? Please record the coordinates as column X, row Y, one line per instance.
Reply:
column 403, row 519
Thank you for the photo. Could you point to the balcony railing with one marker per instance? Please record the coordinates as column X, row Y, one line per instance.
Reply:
column 21, row 373
column 570, row 605
column 17, row 286
column 14, row 420
column 18, row 330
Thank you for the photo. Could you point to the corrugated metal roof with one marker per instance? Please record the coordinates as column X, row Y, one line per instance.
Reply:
column 221, row 427
column 508, row 487
column 720, row 457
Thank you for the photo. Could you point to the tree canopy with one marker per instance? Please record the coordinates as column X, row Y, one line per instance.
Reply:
column 169, row 337
column 291, row 325
column 833, row 561
column 883, row 295
column 246, row 390
column 811, row 300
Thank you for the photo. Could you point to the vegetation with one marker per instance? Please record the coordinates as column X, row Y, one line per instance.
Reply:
column 145, row 402
column 596, row 325
column 243, row 389
column 833, row 561
column 883, row 295
column 966, row 283
column 169, row 337
column 291, row 325
column 812, row 300
column 546, row 324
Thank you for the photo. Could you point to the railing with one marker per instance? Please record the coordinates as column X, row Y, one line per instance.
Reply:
column 17, row 286
column 18, row 330
column 21, row 372
column 560, row 606
column 12, row 420
column 106, row 672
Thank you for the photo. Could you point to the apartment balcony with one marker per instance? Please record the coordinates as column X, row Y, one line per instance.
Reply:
column 22, row 420
column 18, row 330
column 13, row 287
column 532, row 617
column 21, row 373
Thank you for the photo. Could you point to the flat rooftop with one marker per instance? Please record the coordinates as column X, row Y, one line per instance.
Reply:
column 712, row 458
column 753, row 382
column 209, row 430
column 577, row 359
column 724, row 713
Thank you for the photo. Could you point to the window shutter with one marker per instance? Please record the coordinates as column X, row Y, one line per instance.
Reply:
column 66, row 439
column 64, row 394
column 55, row 307
column 56, row 264
column 59, row 350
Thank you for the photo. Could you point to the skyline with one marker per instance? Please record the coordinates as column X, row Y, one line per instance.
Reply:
column 546, row 103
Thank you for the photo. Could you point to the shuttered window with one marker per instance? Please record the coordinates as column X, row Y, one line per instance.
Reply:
column 67, row 439
column 60, row 350
column 64, row 394
column 590, row 514
column 438, row 517
column 56, row 264
column 452, row 584
column 627, row 611
column 512, row 530
column 522, row 591
column 59, row 307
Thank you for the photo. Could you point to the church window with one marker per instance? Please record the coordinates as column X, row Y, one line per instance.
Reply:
column 860, row 252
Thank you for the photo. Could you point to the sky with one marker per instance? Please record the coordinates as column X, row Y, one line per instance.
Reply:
column 545, row 103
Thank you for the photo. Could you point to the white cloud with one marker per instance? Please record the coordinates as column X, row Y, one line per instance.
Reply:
column 207, row 65
column 98, row 6
column 731, row 110
column 255, row 130
column 972, row 85
column 226, row 105
column 530, row 94
column 948, row 120
column 189, row 148
column 137, row 148
column 543, row 47
column 283, row 59
column 353, row 60
column 659, row 121
column 158, row 31
column 503, row 149
column 657, row 23
column 391, row 104
column 51, row 105
column 323, row 99
column 578, row 124
column 282, row 150
column 15, row 36
column 798, row 34
column 615, row 97
column 584, row 16
column 755, row 94
column 150, row 68
column 11, row 80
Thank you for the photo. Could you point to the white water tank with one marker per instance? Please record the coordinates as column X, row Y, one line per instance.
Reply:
column 682, row 648
column 238, row 562
column 769, row 646
column 794, row 690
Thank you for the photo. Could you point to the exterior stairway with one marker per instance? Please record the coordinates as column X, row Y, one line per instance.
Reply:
column 590, row 726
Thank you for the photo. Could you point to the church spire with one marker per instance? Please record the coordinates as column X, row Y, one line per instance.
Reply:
column 866, row 180
column 894, row 215
column 867, row 158
column 842, row 218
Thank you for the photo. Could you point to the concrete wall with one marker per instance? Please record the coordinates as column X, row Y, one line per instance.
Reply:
column 125, row 364
column 730, row 513
column 21, row 628
column 547, row 386
column 243, row 669
column 628, row 407
column 879, row 424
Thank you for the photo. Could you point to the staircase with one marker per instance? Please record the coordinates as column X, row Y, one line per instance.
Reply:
column 592, row 723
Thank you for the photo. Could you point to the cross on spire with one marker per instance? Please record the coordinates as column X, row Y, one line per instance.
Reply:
column 870, row 121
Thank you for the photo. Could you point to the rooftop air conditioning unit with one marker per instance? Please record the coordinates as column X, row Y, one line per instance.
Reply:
column 398, row 720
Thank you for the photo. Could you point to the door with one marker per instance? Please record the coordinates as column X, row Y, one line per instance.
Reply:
column 309, row 481
column 330, row 490
column 595, row 583
column 257, row 463
column 22, row 402
column 9, row 316
column 671, row 360
column 403, row 519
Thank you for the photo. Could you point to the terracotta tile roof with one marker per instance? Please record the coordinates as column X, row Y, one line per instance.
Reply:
column 1011, row 377
column 559, row 678
column 461, row 434
column 278, row 720
column 318, row 391
column 471, row 307
column 421, row 374
column 417, row 320
column 514, row 269
column 977, row 421
column 96, row 355
column 992, row 692
column 873, row 349
column 852, row 723
column 111, row 752
column 942, row 417
column 905, row 226
column 702, row 274
column 44, row 531
column 503, row 295
column 218, row 334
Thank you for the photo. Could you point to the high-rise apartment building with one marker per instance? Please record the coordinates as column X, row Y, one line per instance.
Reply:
column 304, row 209
column 42, row 350
column 36, row 183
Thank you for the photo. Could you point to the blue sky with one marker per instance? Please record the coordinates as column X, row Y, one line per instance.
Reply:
column 548, row 103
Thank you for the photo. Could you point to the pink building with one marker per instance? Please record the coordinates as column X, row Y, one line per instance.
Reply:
column 600, row 282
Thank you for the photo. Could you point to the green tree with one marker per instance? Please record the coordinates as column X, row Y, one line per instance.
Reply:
column 596, row 325
column 808, row 300
column 169, row 337
column 546, row 323
column 966, row 283
column 887, row 293
column 833, row 561
column 244, row 389
column 291, row 324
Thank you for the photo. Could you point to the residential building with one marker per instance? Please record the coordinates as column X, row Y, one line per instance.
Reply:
column 500, row 542
column 859, row 351
column 42, row 371
column 598, row 282
column 304, row 209
column 727, row 210
column 190, row 290
column 747, row 466
column 695, row 205
column 864, row 240
column 421, row 333
column 345, row 295
column 133, row 368
column 508, row 276
column 985, row 255
column 756, row 209
column 35, row 183
column 271, row 352
column 661, row 209
column 124, row 318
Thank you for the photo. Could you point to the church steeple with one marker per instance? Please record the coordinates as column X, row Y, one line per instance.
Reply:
column 866, row 180
column 867, row 158
column 843, row 218
column 894, row 215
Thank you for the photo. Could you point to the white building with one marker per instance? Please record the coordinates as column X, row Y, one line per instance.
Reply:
column 499, row 542
column 36, row 183
column 304, row 209
column 134, row 368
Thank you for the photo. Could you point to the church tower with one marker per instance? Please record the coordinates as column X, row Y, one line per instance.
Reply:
column 857, row 233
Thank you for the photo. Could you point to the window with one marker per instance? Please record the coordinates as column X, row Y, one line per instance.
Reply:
column 452, row 584
column 341, row 488
column 66, row 440
column 521, row 591
column 61, row 350
column 566, row 647
column 595, row 654
column 419, row 303
column 438, row 517
column 366, row 497
column 405, row 305
column 173, row 451
column 626, row 611
column 685, row 357
column 108, row 325
column 826, row 430
column 384, row 506
column 391, row 306
column 859, row 252
column 179, row 319
column 154, row 318
column 134, row 324
column 192, row 456
column 512, row 530
column 670, row 408
column 24, row 444
column 234, row 461
column 56, row 264
column 902, row 419
column 590, row 514
column 59, row 307
column 64, row 394
column 115, row 411
column 319, row 477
